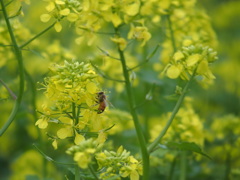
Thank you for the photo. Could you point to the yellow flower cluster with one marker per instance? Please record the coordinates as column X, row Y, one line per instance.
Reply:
column 111, row 164
column 225, row 131
column 118, row 163
column 185, row 61
column 84, row 152
column 186, row 126
column 189, row 24
column 72, row 92
column 90, row 16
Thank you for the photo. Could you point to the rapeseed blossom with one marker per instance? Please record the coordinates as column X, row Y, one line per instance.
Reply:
column 185, row 61
column 72, row 107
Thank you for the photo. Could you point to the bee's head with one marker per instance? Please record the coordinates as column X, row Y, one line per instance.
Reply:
column 100, row 93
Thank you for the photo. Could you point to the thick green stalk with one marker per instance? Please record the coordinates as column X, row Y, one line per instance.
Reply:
column 141, row 139
column 19, row 58
column 175, row 111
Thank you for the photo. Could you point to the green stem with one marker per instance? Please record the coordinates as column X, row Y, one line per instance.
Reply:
column 171, row 34
column 183, row 165
column 140, row 136
column 93, row 172
column 74, row 112
column 9, row 90
column 147, row 59
column 36, row 36
column 171, row 171
column 175, row 111
column 228, row 167
column 78, row 113
column 77, row 172
column 51, row 160
column 19, row 58
column 105, row 76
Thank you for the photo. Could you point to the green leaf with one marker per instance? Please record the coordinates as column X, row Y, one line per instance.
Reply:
column 186, row 146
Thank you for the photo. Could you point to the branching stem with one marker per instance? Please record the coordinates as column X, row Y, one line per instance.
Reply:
column 18, row 54
column 36, row 36
column 175, row 111
column 140, row 136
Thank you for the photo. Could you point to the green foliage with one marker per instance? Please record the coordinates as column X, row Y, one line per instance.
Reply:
column 186, row 146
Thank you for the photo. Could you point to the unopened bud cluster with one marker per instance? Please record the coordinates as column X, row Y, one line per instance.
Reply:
column 121, row 162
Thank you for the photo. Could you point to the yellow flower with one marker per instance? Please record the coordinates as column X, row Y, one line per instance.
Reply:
column 193, row 59
column 67, row 131
column 54, row 144
column 116, row 20
column 132, row 7
column 122, row 43
column 45, row 17
column 140, row 33
column 178, row 56
column 42, row 123
column 174, row 71
column 78, row 138
column 58, row 27
column 82, row 159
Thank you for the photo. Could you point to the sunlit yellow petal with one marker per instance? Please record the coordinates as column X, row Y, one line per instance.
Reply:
column 78, row 138
column 45, row 17
column 59, row 2
column 132, row 9
column 54, row 144
column 64, row 133
column 91, row 88
column 82, row 159
column 65, row 12
column 72, row 17
column 178, row 56
column 42, row 123
column 66, row 120
column 58, row 27
column 134, row 175
column 50, row 7
column 193, row 59
column 202, row 67
column 173, row 72
column 116, row 20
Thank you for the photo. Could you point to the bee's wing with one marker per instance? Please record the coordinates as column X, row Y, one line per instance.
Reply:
column 109, row 103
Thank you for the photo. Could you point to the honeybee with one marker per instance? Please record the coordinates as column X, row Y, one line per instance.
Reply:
column 102, row 100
